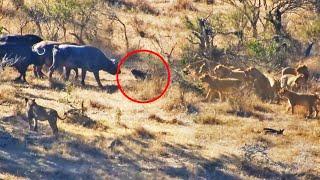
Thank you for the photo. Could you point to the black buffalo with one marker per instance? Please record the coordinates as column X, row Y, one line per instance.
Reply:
column 28, row 39
column 88, row 58
column 19, row 56
column 22, row 40
column 44, row 50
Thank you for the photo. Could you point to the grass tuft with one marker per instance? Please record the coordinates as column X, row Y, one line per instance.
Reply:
column 160, row 120
column 209, row 119
column 98, row 105
column 143, row 133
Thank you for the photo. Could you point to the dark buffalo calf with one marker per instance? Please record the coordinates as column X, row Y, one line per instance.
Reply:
column 139, row 74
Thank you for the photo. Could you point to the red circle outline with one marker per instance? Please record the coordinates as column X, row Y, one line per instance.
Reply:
column 125, row 58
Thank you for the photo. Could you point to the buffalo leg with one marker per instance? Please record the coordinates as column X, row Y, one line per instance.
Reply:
column 51, row 70
column 18, row 78
column 30, row 123
column 60, row 70
column 39, row 72
column 292, row 109
column 35, row 71
column 36, row 125
column 77, row 73
column 50, row 74
column 24, row 77
column 96, row 75
column 68, row 70
column 83, row 77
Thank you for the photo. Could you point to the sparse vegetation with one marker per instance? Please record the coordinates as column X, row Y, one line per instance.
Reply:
column 181, row 135
column 184, row 5
column 143, row 133
column 160, row 120
column 98, row 105
column 209, row 119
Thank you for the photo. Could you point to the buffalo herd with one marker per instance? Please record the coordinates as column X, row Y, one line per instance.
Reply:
column 20, row 51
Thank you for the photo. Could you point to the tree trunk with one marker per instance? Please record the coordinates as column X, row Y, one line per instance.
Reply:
column 317, row 5
column 39, row 28
column 254, row 30
column 276, row 20
column 206, row 39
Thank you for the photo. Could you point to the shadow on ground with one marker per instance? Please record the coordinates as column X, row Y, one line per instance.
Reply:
column 71, row 157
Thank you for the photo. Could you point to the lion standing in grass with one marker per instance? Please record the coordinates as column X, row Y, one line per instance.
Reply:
column 37, row 112
column 221, row 86
column 307, row 100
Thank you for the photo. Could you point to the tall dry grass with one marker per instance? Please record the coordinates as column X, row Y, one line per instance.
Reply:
column 184, row 5
column 147, row 89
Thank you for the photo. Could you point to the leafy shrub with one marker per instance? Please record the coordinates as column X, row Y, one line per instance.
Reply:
column 268, row 52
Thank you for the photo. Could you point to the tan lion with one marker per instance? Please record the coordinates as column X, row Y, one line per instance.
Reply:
column 276, row 86
column 261, row 84
column 221, row 86
column 37, row 112
column 196, row 69
column 222, row 71
column 307, row 100
column 292, row 81
column 301, row 69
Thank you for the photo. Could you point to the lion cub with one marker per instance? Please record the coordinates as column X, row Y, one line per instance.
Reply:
column 37, row 112
column 307, row 100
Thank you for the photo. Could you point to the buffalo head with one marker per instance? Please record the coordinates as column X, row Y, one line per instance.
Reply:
column 112, row 68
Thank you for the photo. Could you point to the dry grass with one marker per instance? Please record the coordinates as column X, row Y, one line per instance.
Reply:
column 184, row 5
column 156, row 118
column 56, row 84
column 243, row 102
column 145, row 90
column 8, row 94
column 85, row 121
column 160, row 120
column 142, row 5
column 98, row 105
column 207, row 119
column 175, row 99
column 10, row 177
column 143, row 133
column 153, row 140
column 162, row 134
